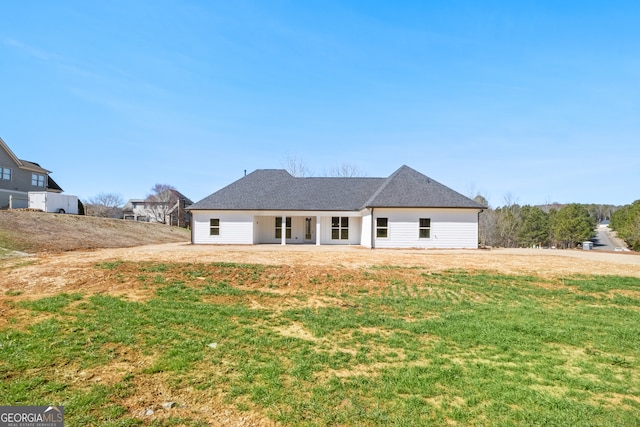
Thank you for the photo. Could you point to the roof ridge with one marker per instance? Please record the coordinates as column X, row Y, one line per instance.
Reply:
column 276, row 189
column 384, row 185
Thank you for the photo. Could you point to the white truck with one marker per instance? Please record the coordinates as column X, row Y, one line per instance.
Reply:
column 53, row 202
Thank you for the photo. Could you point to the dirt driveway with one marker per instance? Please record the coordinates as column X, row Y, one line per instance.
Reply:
column 50, row 273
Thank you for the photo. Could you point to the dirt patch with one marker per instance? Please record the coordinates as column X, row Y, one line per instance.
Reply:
column 37, row 232
column 153, row 395
column 330, row 268
column 296, row 330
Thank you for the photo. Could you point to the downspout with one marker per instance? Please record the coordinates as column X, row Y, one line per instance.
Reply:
column 191, row 224
column 478, row 232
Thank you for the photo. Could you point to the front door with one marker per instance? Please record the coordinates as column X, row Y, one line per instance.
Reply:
column 309, row 229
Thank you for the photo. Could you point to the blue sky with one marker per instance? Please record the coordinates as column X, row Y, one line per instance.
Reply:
column 537, row 101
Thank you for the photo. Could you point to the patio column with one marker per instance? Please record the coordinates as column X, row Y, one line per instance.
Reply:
column 284, row 231
column 318, row 230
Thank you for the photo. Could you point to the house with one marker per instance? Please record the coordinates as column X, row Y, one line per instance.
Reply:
column 19, row 177
column 405, row 210
column 168, row 207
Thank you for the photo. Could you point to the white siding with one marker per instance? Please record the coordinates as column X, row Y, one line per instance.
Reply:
column 365, row 239
column 265, row 229
column 355, row 229
column 236, row 227
column 141, row 213
column 450, row 228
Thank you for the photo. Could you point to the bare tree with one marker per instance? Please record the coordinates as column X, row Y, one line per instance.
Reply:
column 296, row 167
column 346, row 170
column 107, row 205
column 508, row 220
column 161, row 202
column 486, row 223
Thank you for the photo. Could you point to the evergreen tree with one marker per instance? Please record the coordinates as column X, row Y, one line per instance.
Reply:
column 534, row 228
column 626, row 222
column 572, row 225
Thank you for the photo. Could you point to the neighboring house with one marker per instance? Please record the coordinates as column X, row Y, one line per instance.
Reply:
column 167, row 208
column 19, row 177
column 405, row 210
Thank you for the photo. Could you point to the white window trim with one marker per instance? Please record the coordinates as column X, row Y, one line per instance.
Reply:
column 420, row 228
column 382, row 228
column 214, row 227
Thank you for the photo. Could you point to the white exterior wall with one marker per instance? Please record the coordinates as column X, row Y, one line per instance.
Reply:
column 265, row 227
column 255, row 227
column 365, row 239
column 355, row 228
column 140, row 213
column 236, row 227
column 450, row 228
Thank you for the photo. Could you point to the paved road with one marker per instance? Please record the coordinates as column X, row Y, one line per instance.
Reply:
column 604, row 242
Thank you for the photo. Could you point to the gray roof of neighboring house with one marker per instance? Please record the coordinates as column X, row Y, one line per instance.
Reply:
column 33, row 166
column 276, row 189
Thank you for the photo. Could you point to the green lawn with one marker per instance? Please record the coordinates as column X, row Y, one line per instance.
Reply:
column 370, row 346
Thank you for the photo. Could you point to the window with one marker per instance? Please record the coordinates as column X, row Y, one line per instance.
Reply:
column 5, row 173
column 214, row 227
column 279, row 227
column 425, row 228
column 37, row 180
column 382, row 227
column 339, row 228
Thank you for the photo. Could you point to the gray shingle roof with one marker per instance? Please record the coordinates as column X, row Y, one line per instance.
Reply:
column 276, row 189
column 408, row 188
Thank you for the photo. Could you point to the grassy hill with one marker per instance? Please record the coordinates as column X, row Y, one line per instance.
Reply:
column 34, row 232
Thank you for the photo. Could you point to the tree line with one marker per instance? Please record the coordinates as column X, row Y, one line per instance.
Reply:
column 626, row 222
column 551, row 225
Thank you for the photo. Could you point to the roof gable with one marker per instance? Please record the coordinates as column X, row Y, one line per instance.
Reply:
column 12, row 156
column 407, row 187
column 22, row 164
column 276, row 189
